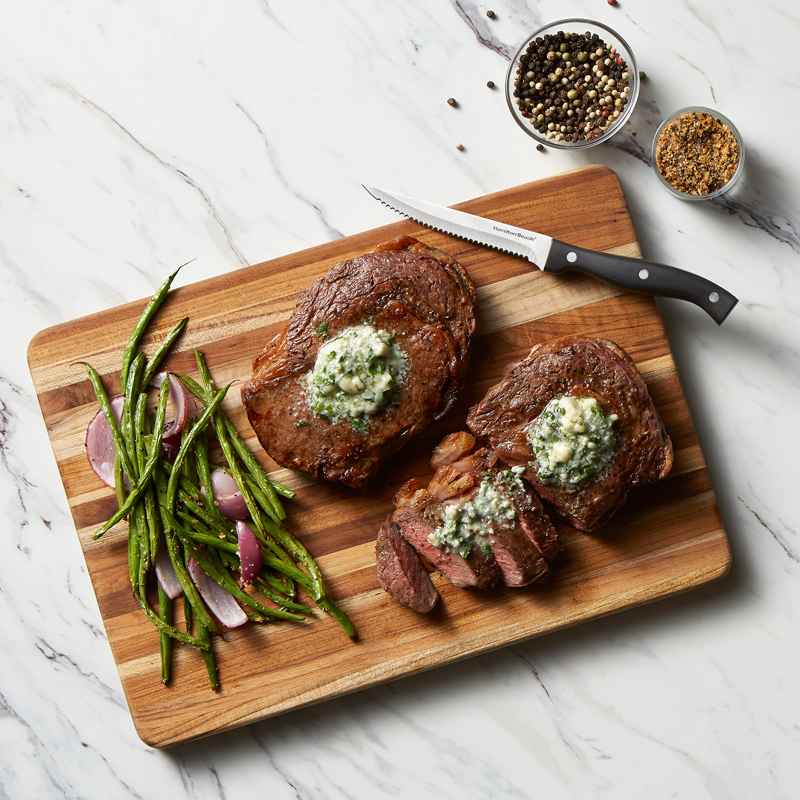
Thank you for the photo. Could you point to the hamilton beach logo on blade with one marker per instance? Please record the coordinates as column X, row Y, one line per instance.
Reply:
column 518, row 234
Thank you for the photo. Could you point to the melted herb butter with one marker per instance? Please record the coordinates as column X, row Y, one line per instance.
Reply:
column 466, row 525
column 354, row 375
column 572, row 440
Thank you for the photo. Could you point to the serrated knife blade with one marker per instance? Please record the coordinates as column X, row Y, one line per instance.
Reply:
column 552, row 255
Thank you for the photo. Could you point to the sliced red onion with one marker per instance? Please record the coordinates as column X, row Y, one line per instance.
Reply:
column 219, row 601
column 100, row 448
column 227, row 496
column 165, row 573
column 183, row 408
column 249, row 552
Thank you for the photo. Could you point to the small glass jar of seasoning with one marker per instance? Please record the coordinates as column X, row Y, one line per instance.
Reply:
column 698, row 154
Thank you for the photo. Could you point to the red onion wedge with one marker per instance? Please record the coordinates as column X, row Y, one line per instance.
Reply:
column 249, row 552
column 219, row 601
column 227, row 496
column 100, row 448
column 165, row 573
column 183, row 408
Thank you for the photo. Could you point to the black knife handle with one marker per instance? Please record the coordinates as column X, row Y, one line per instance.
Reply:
column 643, row 277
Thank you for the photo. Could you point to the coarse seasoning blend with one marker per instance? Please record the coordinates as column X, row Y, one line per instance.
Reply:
column 571, row 87
column 698, row 153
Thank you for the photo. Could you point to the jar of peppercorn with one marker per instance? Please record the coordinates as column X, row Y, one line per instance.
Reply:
column 572, row 84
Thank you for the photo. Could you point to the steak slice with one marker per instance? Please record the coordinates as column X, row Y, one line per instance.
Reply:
column 477, row 571
column 425, row 300
column 400, row 571
column 579, row 368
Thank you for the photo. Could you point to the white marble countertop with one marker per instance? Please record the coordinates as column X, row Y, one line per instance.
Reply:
column 136, row 136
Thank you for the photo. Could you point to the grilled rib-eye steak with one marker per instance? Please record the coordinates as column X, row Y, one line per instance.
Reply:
column 425, row 301
column 573, row 367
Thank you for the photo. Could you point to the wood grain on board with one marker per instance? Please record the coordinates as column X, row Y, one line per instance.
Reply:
column 668, row 538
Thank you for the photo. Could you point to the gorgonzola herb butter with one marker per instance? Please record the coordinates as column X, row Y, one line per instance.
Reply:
column 355, row 375
column 572, row 440
column 466, row 525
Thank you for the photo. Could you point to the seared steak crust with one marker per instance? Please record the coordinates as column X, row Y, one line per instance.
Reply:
column 425, row 300
column 583, row 368
column 400, row 571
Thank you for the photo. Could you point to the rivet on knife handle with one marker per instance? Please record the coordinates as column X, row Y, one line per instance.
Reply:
column 643, row 277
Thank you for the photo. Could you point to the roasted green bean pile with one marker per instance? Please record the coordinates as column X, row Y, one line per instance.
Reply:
column 170, row 508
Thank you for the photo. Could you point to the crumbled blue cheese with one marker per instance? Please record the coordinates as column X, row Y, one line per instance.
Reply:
column 466, row 524
column 572, row 440
column 355, row 375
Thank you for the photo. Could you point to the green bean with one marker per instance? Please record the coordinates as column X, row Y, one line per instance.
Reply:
column 192, row 385
column 230, row 585
column 171, row 527
column 276, row 597
column 131, row 393
column 138, row 585
column 141, row 450
column 224, row 579
column 137, row 491
column 199, row 610
column 282, row 490
column 299, row 551
column 263, row 499
column 241, row 448
column 119, row 480
column 293, row 572
column 164, row 639
column 208, row 656
column 204, row 473
column 163, row 626
column 210, row 540
column 199, row 512
column 108, row 413
column 255, row 469
column 247, row 457
column 133, row 553
column 172, row 486
column 326, row 604
column 187, row 612
column 140, row 327
column 162, row 350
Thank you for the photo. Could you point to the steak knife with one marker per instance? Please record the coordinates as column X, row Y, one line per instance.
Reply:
column 552, row 255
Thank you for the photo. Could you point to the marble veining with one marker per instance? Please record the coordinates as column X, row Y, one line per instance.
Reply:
column 138, row 136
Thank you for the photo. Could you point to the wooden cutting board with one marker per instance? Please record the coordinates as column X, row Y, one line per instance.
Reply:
column 668, row 538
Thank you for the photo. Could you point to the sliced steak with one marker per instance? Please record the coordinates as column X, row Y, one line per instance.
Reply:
column 425, row 300
column 572, row 367
column 400, row 571
column 510, row 537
